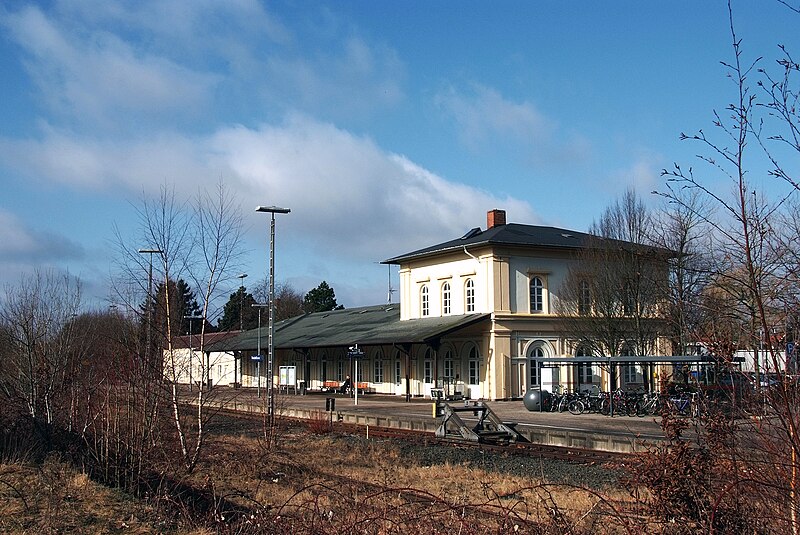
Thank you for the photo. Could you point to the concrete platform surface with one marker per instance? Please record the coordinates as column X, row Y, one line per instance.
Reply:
column 590, row 430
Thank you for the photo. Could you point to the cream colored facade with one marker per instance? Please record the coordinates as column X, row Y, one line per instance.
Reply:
column 501, row 281
column 517, row 332
column 501, row 350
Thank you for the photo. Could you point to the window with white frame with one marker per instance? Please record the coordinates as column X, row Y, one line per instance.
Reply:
column 585, row 369
column 537, row 295
column 424, row 299
column 469, row 295
column 340, row 370
column 323, row 369
column 449, row 368
column 474, row 361
column 584, row 298
column 446, row 298
column 631, row 373
column 427, row 366
column 535, row 365
column 377, row 374
column 398, row 374
column 585, row 373
column 360, row 374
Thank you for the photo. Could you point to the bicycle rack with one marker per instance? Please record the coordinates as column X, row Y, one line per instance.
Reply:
column 489, row 429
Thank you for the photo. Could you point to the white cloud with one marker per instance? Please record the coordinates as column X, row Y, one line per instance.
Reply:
column 21, row 244
column 339, row 79
column 348, row 196
column 96, row 77
column 487, row 121
column 63, row 157
column 484, row 113
column 643, row 175
column 119, row 67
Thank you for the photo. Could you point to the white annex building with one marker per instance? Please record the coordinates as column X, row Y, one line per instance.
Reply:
column 477, row 318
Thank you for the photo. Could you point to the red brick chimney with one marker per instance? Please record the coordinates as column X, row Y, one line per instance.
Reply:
column 495, row 217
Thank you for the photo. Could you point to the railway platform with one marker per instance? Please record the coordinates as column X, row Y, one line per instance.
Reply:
column 592, row 431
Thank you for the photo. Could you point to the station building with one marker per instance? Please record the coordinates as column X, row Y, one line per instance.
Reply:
column 480, row 316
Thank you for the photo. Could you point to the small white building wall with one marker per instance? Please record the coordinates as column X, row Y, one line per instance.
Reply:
column 185, row 366
column 766, row 363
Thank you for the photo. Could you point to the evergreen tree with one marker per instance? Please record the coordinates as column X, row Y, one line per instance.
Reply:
column 321, row 299
column 240, row 302
column 187, row 303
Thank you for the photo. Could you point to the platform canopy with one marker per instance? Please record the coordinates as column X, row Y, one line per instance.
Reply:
column 372, row 325
column 643, row 359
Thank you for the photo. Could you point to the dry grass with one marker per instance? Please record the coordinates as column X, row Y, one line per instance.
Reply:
column 325, row 470
column 308, row 483
column 55, row 498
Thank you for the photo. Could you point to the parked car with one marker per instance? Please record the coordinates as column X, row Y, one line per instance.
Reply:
column 729, row 386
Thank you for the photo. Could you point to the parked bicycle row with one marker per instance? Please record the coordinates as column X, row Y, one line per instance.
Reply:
column 619, row 402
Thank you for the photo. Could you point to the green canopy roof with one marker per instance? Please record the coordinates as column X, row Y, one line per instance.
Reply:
column 343, row 328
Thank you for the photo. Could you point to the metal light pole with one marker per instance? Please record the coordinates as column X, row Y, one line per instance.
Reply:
column 191, row 347
column 241, row 299
column 270, row 343
column 241, row 278
column 258, row 362
column 151, row 252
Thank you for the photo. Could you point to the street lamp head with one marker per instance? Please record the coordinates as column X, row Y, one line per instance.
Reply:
column 152, row 251
column 243, row 275
column 272, row 209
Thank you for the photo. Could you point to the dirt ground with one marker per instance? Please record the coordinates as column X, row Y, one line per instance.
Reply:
column 315, row 481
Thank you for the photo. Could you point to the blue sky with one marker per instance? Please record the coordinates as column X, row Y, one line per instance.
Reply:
column 384, row 126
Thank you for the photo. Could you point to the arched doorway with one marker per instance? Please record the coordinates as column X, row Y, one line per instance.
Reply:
column 540, row 374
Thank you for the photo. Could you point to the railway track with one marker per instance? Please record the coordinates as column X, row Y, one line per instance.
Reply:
column 228, row 420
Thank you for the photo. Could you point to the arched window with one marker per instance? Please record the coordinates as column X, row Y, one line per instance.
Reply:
column 537, row 295
column 446, row 298
column 469, row 295
column 584, row 299
column 474, row 360
column 425, row 300
column 535, row 365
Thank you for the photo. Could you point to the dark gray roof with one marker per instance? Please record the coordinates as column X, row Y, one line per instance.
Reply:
column 515, row 234
column 342, row 328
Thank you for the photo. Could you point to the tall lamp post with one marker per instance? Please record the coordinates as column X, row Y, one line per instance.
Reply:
column 151, row 252
column 191, row 347
column 241, row 278
column 272, row 210
column 260, row 358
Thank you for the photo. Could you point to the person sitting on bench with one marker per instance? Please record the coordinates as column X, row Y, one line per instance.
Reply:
column 346, row 385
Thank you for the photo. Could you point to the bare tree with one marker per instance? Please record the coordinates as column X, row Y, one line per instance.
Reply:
column 612, row 300
column 38, row 321
column 288, row 300
column 217, row 242
column 752, row 269
column 680, row 229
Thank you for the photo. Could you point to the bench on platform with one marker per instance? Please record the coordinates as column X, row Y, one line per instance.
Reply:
column 334, row 386
column 330, row 385
column 364, row 388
